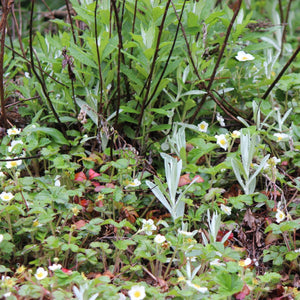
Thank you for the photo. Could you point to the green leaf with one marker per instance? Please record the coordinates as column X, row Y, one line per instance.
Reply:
column 56, row 135
column 123, row 244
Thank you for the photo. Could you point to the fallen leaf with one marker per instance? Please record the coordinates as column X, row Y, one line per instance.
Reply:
column 243, row 293
column 93, row 174
column 80, row 224
column 80, row 176
column 185, row 179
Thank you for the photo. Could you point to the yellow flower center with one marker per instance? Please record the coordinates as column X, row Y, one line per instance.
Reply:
column 137, row 294
column 40, row 275
column 202, row 126
column 6, row 197
column 279, row 138
column 244, row 58
column 223, row 142
column 35, row 224
column 14, row 163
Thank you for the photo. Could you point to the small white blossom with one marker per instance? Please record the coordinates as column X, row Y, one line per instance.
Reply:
column 137, row 292
column 134, row 183
column 243, row 56
column 235, row 134
column 159, row 239
column 41, row 273
column 220, row 119
column 13, row 131
column 6, row 196
column 246, row 262
column 1, row 237
column 197, row 287
column 2, row 174
column 280, row 215
column 226, row 209
column 217, row 262
column 203, row 126
column 222, row 141
column 13, row 163
column 55, row 267
column 57, row 181
column 122, row 296
column 13, row 144
column 148, row 226
column 281, row 136
column 186, row 233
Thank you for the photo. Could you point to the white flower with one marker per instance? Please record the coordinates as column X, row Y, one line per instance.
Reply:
column 134, row 183
column 197, row 287
column 280, row 215
column 13, row 163
column 13, row 131
column 55, row 267
column 122, row 296
column 2, row 174
column 159, row 239
column 186, row 233
column 222, row 141
column 272, row 162
column 281, row 136
column 57, row 181
column 242, row 56
column 148, row 226
column 41, row 273
column 226, row 209
column 79, row 293
column 1, row 237
column 235, row 134
column 6, row 196
column 216, row 262
column 245, row 263
column 220, row 119
column 13, row 144
column 137, row 292
column 203, row 126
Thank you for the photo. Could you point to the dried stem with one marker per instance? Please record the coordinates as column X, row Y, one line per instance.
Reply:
column 281, row 73
column 210, row 83
column 149, row 79
column 41, row 79
column 71, row 22
column 169, row 57
column 5, row 11
column 98, row 59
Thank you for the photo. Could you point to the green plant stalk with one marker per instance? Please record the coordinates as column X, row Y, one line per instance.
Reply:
column 170, row 264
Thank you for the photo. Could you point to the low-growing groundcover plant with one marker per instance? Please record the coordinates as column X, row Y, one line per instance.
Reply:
column 149, row 149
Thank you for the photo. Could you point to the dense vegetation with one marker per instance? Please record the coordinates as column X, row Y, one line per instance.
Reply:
column 150, row 149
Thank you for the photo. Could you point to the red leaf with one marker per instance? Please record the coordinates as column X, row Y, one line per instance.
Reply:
column 243, row 293
column 84, row 202
column 79, row 224
column 67, row 271
column 93, row 174
column 80, row 177
column 185, row 179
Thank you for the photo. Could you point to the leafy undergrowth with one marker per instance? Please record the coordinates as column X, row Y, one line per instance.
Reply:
column 137, row 162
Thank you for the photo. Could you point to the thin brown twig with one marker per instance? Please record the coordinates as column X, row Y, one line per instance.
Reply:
column 169, row 56
column 5, row 11
column 41, row 79
column 155, row 56
column 281, row 73
column 98, row 59
column 210, row 83
column 40, row 69
column 71, row 20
